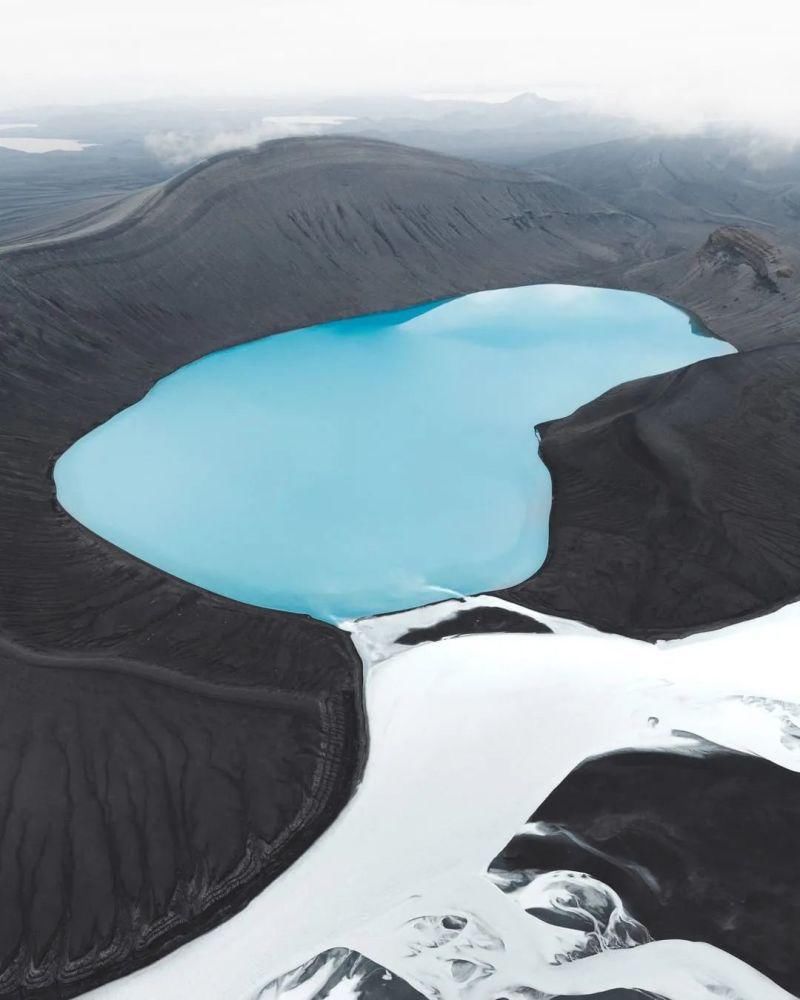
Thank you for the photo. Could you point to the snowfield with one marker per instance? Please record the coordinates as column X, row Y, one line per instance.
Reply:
column 468, row 735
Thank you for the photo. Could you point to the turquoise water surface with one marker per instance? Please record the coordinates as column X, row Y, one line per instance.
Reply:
column 367, row 465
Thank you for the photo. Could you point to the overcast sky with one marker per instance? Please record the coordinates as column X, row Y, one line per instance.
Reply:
column 673, row 59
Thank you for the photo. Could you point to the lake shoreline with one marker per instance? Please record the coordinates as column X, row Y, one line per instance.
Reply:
column 252, row 471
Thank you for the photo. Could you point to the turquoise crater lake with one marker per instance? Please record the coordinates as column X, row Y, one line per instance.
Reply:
column 370, row 464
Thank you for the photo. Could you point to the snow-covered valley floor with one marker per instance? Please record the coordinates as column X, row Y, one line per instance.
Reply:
column 467, row 735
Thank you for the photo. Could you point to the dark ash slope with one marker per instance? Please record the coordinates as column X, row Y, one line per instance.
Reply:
column 167, row 752
column 684, row 184
column 675, row 499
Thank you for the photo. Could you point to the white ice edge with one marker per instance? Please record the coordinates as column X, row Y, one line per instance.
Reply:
column 468, row 736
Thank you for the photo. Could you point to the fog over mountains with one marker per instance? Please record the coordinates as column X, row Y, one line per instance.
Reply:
column 720, row 173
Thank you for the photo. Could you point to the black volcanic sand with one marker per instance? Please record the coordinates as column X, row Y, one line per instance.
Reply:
column 675, row 500
column 700, row 848
column 487, row 619
column 168, row 752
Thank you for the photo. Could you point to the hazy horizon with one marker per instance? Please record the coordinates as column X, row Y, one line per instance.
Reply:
column 677, row 65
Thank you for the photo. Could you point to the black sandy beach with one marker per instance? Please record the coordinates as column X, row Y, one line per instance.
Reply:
column 166, row 753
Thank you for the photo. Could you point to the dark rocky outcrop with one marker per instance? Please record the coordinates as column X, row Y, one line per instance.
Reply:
column 733, row 246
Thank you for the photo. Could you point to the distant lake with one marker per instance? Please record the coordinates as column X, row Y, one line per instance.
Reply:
column 369, row 464
column 38, row 144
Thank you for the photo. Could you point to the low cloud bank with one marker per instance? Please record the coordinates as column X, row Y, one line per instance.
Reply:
column 177, row 149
